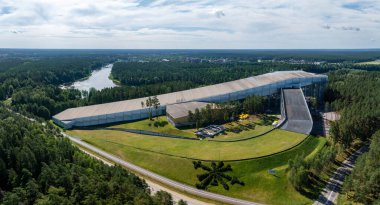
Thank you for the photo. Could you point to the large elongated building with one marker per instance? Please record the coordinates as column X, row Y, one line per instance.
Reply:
column 129, row 110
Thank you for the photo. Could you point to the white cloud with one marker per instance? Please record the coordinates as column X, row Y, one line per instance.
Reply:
column 189, row 24
column 350, row 28
column 219, row 14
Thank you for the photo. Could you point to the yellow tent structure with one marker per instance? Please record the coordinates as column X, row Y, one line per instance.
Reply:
column 243, row 116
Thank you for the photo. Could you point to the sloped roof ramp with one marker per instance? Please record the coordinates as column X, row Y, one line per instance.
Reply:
column 298, row 115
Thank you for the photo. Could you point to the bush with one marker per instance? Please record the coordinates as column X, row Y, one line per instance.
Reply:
column 235, row 129
column 251, row 126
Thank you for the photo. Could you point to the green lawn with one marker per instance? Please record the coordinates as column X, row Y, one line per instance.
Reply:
column 272, row 142
column 165, row 127
column 259, row 185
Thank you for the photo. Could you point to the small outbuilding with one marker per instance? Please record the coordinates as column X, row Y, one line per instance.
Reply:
column 177, row 114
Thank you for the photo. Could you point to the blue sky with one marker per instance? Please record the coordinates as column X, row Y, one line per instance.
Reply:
column 248, row 24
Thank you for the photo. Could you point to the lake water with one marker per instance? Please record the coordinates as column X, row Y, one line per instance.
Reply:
column 98, row 80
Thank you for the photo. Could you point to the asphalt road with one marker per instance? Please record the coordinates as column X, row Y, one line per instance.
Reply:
column 330, row 193
column 161, row 179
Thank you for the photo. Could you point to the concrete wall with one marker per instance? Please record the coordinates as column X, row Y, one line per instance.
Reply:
column 116, row 117
column 179, row 122
column 283, row 111
column 65, row 125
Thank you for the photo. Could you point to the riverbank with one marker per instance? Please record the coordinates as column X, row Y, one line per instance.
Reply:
column 98, row 79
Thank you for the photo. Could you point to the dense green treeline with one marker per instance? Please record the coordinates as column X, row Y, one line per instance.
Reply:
column 363, row 185
column 304, row 173
column 8, row 63
column 356, row 95
column 32, row 84
column 29, row 74
column 131, row 92
column 310, row 55
column 137, row 73
column 54, row 71
column 39, row 166
column 226, row 112
column 45, row 101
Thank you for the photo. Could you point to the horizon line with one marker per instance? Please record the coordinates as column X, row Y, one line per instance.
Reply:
column 190, row 48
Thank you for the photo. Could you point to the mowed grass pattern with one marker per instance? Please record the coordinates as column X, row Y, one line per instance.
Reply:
column 272, row 142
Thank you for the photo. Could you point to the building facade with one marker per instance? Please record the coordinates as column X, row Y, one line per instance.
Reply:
column 129, row 110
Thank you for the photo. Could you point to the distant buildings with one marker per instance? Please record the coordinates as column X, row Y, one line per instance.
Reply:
column 200, row 60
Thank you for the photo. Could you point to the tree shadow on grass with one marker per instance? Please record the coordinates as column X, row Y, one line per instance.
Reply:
column 274, row 175
column 331, row 170
column 313, row 187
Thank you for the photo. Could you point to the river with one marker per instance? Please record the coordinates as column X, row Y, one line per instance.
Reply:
column 98, row 79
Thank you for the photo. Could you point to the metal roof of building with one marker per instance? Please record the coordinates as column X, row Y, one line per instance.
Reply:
column 182, row 96
column 182, row 109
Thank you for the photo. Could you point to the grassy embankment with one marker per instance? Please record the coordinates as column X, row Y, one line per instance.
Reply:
column 272, row 142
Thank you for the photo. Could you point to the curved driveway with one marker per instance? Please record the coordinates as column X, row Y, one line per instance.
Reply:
column 164, row 180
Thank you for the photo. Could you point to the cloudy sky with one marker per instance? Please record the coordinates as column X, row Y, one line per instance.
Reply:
column 249, row 24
